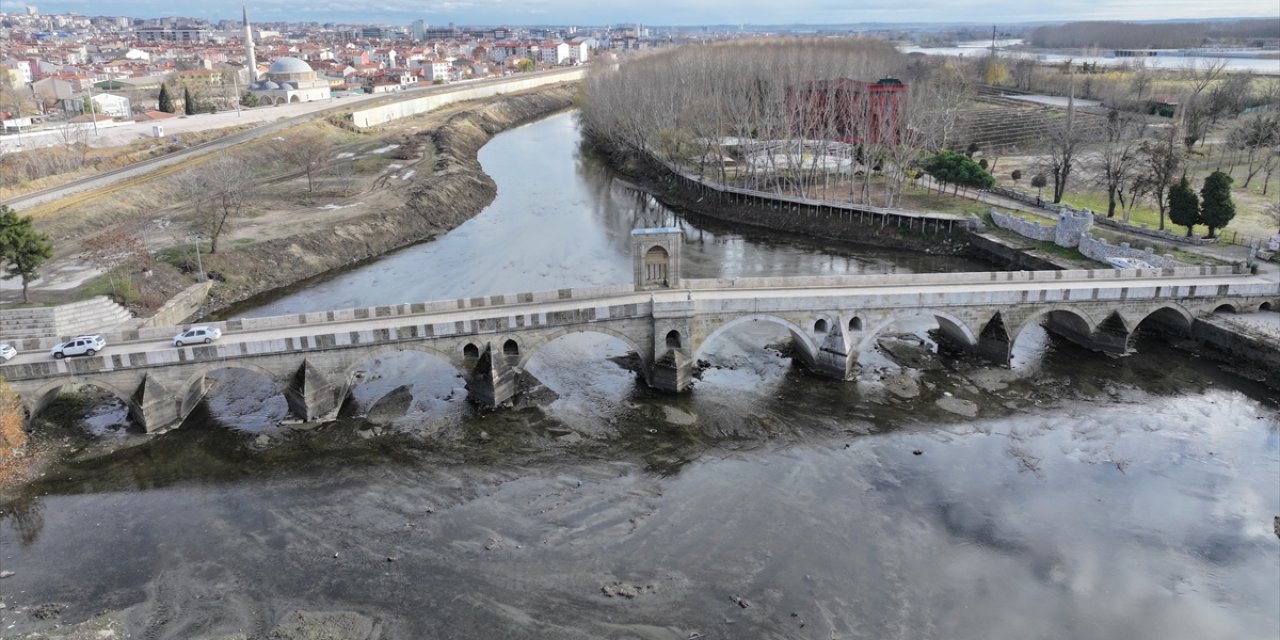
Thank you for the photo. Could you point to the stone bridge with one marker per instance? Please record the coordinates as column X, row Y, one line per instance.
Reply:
column 666, row 320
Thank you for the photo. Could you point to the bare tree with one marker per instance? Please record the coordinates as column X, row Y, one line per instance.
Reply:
column 1256, row 135
column 1161, row 161
column 114, row 248
column 1117, row 157
column 216, row 190
column 308, row 150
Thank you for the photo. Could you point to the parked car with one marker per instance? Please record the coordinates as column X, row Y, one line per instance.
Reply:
column 193, row 335
column 7, row 351
column 77, row 346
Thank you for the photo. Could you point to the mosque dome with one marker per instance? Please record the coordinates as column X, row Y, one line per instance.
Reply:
column 268, row 86
column 289, row 65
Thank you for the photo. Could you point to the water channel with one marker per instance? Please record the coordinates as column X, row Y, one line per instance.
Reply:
column 1073, row 495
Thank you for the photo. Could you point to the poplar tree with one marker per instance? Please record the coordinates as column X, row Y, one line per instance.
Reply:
column 188, row 105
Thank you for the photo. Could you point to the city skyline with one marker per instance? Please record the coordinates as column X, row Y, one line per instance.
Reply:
column 669, row 12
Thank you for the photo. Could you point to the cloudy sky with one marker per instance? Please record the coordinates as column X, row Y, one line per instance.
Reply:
column 667, row 12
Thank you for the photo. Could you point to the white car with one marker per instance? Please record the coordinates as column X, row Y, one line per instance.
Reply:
column 7, row 351
column 79, row 345
column 195, row 335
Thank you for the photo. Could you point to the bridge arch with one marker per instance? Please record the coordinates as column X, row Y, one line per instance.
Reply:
column 1265, row 306
column 951, row 326
column 220, row 365
column 1171, row 311
column 797, row 333
column 419, row 347
column 533, row 346
column 1073, row 317
column 36, row 402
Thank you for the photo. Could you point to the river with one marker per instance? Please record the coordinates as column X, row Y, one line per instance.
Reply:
column 1073, row 495
column 1269, row 66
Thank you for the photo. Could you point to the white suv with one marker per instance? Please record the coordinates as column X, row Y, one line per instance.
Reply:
column 203, row 334
column 79, row 345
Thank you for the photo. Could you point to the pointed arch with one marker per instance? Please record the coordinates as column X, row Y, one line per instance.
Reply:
column 36, row 402
column 951, row 326
column 532, row 347
column 418, row 347
column 1080, row 321
column 797, row 332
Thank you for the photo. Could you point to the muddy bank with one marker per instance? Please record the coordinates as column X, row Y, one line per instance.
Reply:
column 453, row 191
column 677, row 193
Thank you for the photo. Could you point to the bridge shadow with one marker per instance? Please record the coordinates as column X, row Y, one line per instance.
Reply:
column 84, row 410
column 406, row 388
column 582, row 378
column 243, row 400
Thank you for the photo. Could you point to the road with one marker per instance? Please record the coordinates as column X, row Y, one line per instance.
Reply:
column 273, row 119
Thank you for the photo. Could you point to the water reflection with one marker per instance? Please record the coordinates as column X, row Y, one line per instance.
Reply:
column 565, row 221
column 1087, row 497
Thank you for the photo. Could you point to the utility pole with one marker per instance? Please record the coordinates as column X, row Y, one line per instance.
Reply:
column 993, row 41
column 93, row 112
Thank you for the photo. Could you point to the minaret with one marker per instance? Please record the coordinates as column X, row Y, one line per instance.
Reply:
column 248, row 47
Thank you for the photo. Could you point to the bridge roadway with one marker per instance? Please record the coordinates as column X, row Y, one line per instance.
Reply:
column 313, row 357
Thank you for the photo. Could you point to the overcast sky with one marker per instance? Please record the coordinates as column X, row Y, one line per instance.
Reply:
column 666, row 12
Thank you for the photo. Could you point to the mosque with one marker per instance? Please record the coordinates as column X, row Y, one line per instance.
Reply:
column 288, row 79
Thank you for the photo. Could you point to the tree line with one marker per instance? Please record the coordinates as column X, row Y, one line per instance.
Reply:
column 1134, row 35
column 730, row 112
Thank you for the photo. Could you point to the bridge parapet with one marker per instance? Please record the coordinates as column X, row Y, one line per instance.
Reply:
column 962, row 277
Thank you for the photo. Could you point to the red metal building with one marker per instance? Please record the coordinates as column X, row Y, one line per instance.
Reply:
column 848, row 110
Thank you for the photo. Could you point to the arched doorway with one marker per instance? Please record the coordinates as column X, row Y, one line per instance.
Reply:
column 657, row 265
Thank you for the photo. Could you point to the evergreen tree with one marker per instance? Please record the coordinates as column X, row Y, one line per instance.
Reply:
column 1184, row 205
column 22, row 248
column 958, row 169
column 188, row 105
column 166, row 100
column 1216, row 207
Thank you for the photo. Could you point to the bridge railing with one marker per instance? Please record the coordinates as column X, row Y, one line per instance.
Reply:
column 964, row 277
column 350, row 314
column 320, row 318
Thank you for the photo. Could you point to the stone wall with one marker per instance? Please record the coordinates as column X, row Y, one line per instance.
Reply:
column 180, row 307
column 1072, row 230
column 1025, row 228
column 1099, row 218
column 1099, row 249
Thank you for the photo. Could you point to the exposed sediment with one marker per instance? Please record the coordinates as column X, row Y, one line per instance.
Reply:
column 455, row 190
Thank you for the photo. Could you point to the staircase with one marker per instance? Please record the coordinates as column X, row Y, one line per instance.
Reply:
column 95, row 315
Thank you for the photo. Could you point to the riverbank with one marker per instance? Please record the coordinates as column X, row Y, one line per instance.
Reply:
column 451, row 191
column 677, row 193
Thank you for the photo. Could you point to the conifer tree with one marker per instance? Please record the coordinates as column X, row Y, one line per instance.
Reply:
column 1216, row 207
column 166, row 101
column 1184, row 205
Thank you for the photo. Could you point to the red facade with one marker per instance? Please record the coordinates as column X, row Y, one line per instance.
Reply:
column 848, row 110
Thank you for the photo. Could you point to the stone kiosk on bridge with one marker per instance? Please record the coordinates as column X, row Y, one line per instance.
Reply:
column 663, row 317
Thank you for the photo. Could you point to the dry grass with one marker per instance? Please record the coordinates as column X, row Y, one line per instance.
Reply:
column 12, row 437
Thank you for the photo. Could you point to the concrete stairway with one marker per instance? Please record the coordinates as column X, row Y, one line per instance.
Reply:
column 95, row 315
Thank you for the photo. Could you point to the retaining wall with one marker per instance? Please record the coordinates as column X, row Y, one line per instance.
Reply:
column 180, row 307
column 386, row 113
